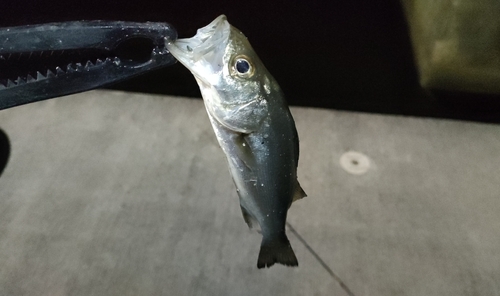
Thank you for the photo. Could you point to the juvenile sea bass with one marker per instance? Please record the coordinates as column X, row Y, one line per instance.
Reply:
column 254, row 128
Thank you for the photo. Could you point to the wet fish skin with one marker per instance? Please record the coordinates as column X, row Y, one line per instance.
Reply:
column 254, row 128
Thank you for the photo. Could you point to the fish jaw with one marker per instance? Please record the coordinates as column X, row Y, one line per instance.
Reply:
column 203, row 53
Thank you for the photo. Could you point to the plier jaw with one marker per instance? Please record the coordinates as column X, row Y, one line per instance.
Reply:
column 39, row 62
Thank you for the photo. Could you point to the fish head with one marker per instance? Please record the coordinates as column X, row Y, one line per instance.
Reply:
column 234, row 83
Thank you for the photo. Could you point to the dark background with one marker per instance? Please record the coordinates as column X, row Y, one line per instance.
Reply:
column 348, row 55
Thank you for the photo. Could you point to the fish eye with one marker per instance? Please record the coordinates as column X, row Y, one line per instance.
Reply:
column 242, row 67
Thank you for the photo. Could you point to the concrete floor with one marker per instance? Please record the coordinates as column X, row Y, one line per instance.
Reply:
column 110, row 193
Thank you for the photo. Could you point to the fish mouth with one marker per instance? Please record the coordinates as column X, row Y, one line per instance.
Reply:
column 203, row 53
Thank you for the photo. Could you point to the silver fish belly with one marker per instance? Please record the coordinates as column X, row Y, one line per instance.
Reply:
column 254, row 128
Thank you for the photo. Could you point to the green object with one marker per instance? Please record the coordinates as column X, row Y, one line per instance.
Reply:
column 456, row 43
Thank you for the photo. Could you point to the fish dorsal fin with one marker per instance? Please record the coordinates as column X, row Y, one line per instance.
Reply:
column 299, row 192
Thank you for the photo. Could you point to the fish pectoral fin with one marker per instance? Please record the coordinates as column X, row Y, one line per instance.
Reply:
column 299, row 192
column 250, row 220
column 244, row 152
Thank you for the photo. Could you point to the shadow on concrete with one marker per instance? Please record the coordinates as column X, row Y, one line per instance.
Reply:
column 4, row 150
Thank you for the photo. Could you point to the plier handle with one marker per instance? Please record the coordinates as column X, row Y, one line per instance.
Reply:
column 39, row 62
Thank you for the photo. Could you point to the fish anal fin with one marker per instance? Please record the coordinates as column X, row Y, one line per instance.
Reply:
column 299, row 193
column 250, row 220
column 277, row 250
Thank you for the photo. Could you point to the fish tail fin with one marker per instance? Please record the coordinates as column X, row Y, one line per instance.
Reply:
column 277, row 250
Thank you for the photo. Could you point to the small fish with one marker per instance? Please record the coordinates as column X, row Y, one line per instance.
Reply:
column 254, row 127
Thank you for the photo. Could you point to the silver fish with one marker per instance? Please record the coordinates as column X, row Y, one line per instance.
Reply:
column 254, row 127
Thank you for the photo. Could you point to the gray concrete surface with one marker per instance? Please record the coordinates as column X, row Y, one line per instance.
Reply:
column 110, row 193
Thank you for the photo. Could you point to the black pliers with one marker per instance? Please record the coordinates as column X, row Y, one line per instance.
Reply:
column 39, row 62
